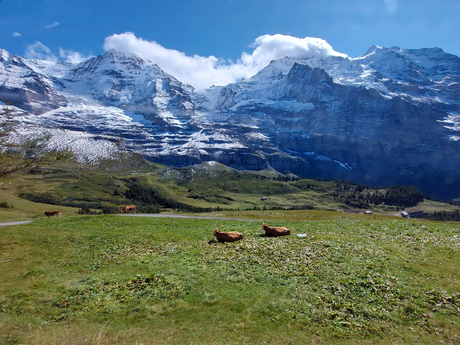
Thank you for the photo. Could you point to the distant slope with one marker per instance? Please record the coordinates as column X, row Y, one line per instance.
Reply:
column 202, row 188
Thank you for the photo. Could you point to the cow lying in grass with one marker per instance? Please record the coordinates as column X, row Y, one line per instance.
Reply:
column 52, row 213
column 228, row 236
column 275, row 231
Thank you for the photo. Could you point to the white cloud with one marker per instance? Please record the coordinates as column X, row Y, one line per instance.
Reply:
column 272, row 47
column 202, row 72
column 39, row 51
column 16, row 34
column 72, row 57
column 392, row 5
column 52, row 25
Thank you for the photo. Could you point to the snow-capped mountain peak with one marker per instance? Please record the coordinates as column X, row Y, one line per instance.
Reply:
column 390, row 116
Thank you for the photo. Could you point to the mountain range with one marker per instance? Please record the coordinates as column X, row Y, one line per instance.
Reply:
column 388, row 117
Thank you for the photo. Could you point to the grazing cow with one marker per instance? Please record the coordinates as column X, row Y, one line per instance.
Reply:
column 228, row 236
column 52, row 213
column 275, row 231
column 130, row 208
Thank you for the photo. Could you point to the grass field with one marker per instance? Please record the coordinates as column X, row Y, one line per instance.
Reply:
column 108, row 279
column 134, row 280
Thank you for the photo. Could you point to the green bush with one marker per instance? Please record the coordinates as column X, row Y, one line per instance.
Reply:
column 86, row 210
column 109, row 209
column 44, row 198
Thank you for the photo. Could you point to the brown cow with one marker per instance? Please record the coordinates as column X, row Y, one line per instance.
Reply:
column 130, row 208
column 228, row 236
column 275, row 231
column 52, row 213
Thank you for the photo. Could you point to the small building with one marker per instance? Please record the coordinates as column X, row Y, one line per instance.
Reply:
column 413, row 213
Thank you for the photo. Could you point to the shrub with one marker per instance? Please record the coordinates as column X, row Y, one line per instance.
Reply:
column 109, row 210
column 34, row 171
column 86, row 210
column 4, row 205
column 44, row 198
column 148, row 209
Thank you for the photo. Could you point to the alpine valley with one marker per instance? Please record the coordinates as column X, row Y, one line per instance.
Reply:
column 388, row 117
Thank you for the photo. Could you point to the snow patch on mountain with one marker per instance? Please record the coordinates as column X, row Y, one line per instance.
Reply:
column 88, row 149
column 452, row 122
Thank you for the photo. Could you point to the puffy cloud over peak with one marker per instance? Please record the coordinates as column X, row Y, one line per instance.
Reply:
column 202, row 72
column 273, row 47
column 186, row 68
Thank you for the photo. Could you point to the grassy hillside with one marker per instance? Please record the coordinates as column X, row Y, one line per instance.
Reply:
column 202, row 188
column 109, row 279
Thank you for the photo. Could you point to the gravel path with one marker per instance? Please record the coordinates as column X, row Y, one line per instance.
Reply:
column 156, row 215
column 159, row 215
column 16, row 223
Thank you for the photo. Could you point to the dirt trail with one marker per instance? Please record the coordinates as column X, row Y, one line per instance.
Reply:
column 159, row 215
column 16, row 223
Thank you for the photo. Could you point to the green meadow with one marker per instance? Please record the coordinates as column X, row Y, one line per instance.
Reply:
column 110, row 279
column 351, row 278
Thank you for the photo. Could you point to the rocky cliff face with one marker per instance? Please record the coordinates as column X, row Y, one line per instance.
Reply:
column 388, row 117
column 21, row 85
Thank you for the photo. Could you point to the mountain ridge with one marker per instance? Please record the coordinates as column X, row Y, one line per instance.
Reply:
column 391, row 116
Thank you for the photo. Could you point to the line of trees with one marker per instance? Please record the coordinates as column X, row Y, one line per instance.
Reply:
column 360, row 196
column 453, row 216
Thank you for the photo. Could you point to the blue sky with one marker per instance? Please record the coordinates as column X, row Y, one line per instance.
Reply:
column 220, row 32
